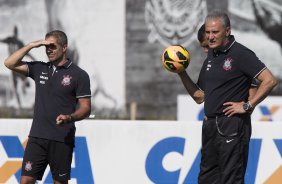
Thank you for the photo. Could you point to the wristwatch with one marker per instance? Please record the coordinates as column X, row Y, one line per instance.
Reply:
column 247, row 106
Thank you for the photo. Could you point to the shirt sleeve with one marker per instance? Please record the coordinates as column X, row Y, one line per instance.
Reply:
column 250, row 64
column 255, row 83
column 33, row 68
column 83, row 86
column 201, row 80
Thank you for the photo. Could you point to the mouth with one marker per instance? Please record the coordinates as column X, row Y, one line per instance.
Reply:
column 51, row 56
column 212, row 43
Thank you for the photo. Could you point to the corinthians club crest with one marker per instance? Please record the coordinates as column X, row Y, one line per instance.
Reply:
column 66, row 80
column 174, row 21
column 227, row 64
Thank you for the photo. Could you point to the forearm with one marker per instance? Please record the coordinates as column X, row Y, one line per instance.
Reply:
column 15, row 59
column 83, row 110
column 192, row 88
column 80, row 114
column 262, row 92
column 268, row 82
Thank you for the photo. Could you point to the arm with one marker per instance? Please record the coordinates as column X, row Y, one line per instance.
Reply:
column 192, row 88
column 268, row 82
column 83, row 111
column 252, row 92
column 14, row 61
column 253, row 89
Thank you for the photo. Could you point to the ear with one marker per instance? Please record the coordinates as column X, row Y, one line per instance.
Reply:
column 65, row 48
column 228, row 31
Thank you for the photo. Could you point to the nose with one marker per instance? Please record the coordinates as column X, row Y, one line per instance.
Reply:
column 210, row 36
column 48, row 50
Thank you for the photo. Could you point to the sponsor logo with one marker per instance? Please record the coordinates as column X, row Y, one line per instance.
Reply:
column 63, row 174
column 229, row 140
column 43, row 77
column 209, row 66
column 268, row 112
column 158, row 172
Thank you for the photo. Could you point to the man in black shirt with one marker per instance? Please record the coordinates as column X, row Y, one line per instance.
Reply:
column 62, row 97
column 223, row 84
column 204, row 44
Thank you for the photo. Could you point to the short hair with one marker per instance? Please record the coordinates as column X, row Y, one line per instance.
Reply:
column 217, row 14
column 60, row 35
column 201, row 33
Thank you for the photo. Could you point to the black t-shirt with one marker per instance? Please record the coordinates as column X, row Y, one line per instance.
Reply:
column 226, row 76
column 57, row 92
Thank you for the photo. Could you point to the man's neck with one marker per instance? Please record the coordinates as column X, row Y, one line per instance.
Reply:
column 223, row 46
column 60, row 62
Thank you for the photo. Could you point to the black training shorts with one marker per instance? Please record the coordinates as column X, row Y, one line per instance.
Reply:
column 41, row 152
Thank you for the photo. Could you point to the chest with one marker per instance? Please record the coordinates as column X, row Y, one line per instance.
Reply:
column 222, row 69
column 51, row 81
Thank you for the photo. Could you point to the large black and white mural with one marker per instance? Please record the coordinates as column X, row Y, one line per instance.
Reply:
column 120, row 42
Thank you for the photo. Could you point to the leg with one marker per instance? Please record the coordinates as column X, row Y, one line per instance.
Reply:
column 60, row 182
column 60, row 158
column 233, row 152
column 34, row 161
column 27, row 180
column 209, row 171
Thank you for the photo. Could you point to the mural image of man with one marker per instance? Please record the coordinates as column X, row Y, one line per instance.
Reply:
column 265, row 19
column 14, row 43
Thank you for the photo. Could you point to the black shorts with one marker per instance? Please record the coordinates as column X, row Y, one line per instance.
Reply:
column 41, row 152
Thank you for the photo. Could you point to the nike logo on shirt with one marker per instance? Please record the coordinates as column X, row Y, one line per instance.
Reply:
column 228, row 141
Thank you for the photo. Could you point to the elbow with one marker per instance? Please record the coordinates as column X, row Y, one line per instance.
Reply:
column 6, row 64
column 88, row 111
column 199, row 97
column 199, row 101
column 273, row 82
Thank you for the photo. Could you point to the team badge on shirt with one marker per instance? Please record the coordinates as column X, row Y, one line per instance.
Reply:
column 28, row 166
column 227, row 64
column 66, row 80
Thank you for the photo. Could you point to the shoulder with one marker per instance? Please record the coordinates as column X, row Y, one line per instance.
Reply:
column 37, row 63
column 241, row 49
column 79, row 71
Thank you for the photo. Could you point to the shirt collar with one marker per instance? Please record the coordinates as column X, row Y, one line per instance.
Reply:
column 231, row 41
column 66, row 65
